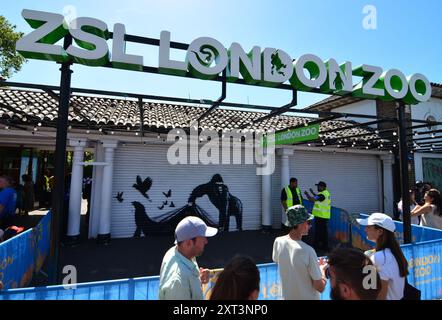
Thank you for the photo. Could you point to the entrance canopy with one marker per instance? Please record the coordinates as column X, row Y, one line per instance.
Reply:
column 31, row 107
column 85, row 42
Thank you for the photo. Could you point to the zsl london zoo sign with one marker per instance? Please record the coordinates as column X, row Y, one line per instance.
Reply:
column 206, row 58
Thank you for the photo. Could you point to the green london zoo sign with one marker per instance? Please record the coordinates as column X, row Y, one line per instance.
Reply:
column 291, row 136
column 207, row 58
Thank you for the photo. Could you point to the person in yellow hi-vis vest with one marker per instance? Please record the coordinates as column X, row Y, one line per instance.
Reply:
column 291, row 195
column 322, row 212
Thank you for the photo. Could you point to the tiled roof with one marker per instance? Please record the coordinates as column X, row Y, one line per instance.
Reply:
column 31, row 107
column 437, row 90
column 333, row 102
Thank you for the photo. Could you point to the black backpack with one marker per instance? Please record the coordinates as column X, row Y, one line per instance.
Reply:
column 410, row 292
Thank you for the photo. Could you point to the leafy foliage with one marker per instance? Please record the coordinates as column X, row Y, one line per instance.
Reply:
column 10, row 60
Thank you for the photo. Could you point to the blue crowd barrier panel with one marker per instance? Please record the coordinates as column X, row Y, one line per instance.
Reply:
column 134, row 289
column 418, row 234
column 42, row 234
column 145, row 288
column 17, row 260
column 270, row 288
column 424, row 262
column 141, row 289
column 423, row 258
column 338, row 226
column 425, row 268
column 24, row 255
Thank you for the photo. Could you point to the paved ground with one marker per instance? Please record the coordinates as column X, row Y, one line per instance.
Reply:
column 125, row 258
column 128, row 258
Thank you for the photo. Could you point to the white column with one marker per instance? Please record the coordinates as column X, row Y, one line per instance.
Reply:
column 285, row 173
column 106, row 190
column 266, row 189
column 97, row 177
column 387, row 162
column 74, row 219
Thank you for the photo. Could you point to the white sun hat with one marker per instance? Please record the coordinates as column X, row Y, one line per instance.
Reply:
column 379, row 219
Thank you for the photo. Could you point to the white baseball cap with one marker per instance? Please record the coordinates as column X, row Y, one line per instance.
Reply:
column 379, row 219
column 191, row 227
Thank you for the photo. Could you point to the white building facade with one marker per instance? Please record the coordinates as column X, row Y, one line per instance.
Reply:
column 135, row 188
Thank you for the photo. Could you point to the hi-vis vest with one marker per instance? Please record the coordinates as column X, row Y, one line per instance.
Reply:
column 289, row 194
column 322, row 209
column 47, row 185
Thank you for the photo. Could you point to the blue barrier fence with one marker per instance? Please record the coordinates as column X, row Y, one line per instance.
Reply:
column 425, row 274
column 24, row 254
column 145, row 288
column 338, row 226
column 419, row 234
column 423, row 257
column 425, row 267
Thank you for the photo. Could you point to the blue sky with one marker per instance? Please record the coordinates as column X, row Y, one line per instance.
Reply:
column 407, row 38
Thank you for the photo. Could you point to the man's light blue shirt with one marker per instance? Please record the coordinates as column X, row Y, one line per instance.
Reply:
column 179, row 277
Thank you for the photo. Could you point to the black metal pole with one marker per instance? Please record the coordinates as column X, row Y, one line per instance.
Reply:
column 30, row 163
column 403, row 158
column 60, row 164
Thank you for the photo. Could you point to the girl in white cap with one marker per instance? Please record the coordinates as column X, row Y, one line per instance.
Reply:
column 388, row 257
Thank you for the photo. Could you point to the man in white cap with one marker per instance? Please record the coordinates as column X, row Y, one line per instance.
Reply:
column 180, row 276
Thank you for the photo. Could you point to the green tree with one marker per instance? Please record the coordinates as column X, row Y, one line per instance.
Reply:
column 10, row 60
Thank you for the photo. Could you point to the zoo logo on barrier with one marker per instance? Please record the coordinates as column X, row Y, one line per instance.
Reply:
column 422, row 266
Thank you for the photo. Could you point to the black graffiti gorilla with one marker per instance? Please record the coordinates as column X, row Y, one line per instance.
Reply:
column 227, row 204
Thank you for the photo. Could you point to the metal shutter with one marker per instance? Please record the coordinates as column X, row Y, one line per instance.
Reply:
column 352, row 179
column 151, row 160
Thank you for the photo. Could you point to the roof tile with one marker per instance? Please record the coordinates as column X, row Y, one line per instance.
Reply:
column 122, row 113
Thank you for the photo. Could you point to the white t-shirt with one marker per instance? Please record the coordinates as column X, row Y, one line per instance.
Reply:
column 414, row 219
column 432, row 219
column 388, row 269
column 298, row 267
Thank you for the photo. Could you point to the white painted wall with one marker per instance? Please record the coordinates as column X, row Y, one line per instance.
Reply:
column 421, row 111
column 365, row 107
